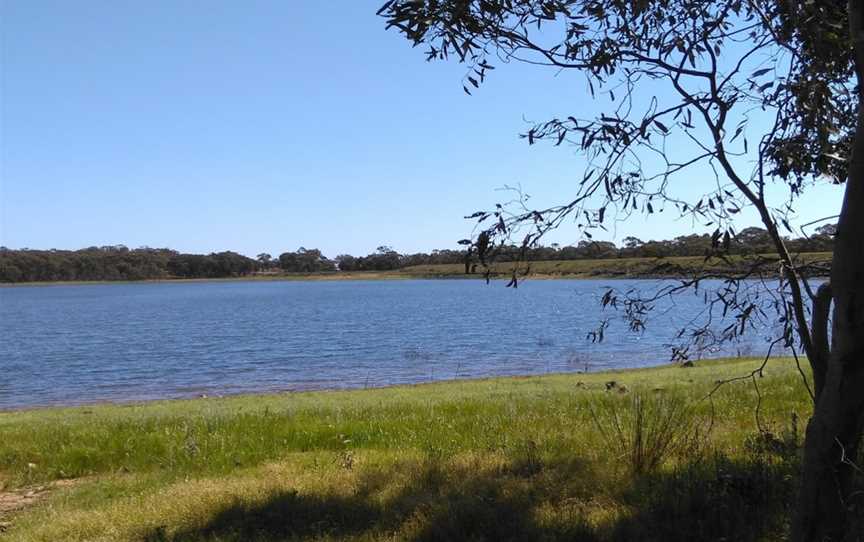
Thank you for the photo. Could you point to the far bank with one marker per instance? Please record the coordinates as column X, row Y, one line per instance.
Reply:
column 817, row 263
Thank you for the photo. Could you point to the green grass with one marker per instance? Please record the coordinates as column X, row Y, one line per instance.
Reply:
column 606, row 268
column 539, row 458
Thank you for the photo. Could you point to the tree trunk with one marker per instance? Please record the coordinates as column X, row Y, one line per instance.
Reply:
column 827, row 507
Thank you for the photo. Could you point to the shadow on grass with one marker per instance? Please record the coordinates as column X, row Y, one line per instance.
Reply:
column 716, row 499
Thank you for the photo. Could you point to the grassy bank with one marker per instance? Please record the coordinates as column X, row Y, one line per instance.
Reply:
column 561, row 457
column 681, row 266
column 282, row 277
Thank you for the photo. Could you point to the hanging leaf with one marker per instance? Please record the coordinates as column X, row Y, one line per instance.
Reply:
column 561, row 135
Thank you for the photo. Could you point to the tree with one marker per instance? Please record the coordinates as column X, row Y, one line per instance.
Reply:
column 305, row 261
column 346, row 262
column 711, row 87
column 755, row 240
column 632, row 242
column 383, row 259
column 827, row 230
column 597, row 249
column 265, row 260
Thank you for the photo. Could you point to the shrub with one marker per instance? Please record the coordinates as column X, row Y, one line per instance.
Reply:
column 644, row 431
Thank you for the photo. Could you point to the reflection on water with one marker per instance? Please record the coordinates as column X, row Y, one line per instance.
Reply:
column 76, row 344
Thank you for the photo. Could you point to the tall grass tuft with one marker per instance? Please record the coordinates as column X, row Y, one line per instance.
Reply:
column 646, row 430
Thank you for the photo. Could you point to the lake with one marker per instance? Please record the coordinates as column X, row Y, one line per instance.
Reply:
column 66, row 345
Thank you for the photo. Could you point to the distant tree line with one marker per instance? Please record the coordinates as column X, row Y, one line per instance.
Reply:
column 747, row 241
column 118, row 263
column 121, row 263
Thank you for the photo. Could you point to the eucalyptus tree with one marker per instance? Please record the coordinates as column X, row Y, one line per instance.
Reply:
column 750, row 101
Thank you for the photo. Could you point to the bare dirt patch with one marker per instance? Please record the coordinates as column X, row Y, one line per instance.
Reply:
column 13, row 501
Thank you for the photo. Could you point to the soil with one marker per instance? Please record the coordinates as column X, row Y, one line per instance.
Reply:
column 13, row 501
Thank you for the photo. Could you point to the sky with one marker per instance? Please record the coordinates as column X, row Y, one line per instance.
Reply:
column 265, row 126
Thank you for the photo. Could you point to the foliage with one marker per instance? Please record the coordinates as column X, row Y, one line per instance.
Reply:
column 745, row 95
column 761, row 100
column 216, row 265
column 383, row 259
column 305, row 261
column 117, row 263
column 121, row 263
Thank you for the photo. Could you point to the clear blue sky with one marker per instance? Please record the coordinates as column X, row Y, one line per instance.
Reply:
column 263, row 126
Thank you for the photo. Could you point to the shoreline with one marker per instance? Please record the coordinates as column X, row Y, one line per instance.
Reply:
column 281, row 393
column 353, row 278
column 362, row 278
column 280, row 278
column 373, row 463
column 671, row 268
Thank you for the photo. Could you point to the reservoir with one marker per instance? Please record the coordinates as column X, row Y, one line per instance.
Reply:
column 77, row 344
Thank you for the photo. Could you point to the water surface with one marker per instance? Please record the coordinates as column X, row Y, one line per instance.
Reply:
column 127, row 342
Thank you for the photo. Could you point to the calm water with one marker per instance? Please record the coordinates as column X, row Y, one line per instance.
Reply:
column 125, row 342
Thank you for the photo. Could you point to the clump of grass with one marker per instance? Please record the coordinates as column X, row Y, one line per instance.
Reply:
column 646, row 430
column 783, row 444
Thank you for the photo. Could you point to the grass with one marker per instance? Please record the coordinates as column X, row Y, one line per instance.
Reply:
column 536, row 458
column 678, row 266
column 281, row 277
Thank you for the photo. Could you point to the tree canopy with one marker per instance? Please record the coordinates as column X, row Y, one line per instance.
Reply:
column 122, row 263
column 753, row 96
